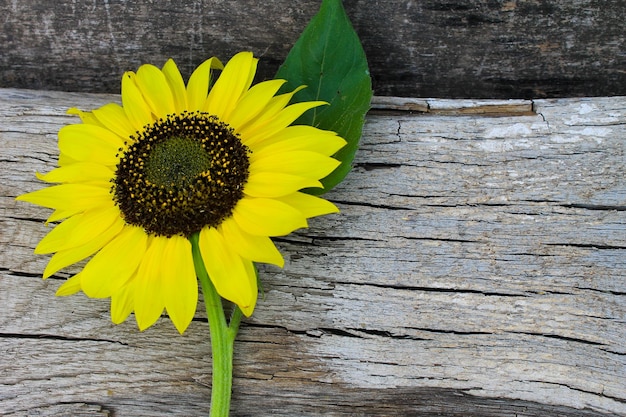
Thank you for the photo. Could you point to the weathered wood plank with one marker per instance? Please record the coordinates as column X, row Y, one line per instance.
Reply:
column 478, row 267
column 475, row 48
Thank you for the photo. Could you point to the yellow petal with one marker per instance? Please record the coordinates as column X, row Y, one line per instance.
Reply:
column 272, row 184
column 309, row 205
column 110, row 268
column 78, row 172
column 90, row 143
column 122, row 302
column 114, row 117
column 68, row 257
column 85, row 116
column 267, row 217
column 253, row 102
column 234, row 81
column 58, row 215
column 70, row 197
column 69, row 287
column 133, row 102
column 148, row 294
column 251, row 274
column 198, row 85
column 300, row 138
column 155, row 90
column 177, row 85
column 180, row 286
column 254, row 248
column 78, row 230
column 304, row 163
column 271, row 110
column 228, row 271
column 253, row 135
column 65, row 160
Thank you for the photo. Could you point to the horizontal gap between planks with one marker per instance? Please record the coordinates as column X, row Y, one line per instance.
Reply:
column 513, row 107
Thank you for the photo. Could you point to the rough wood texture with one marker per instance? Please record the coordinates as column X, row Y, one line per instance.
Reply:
column 477, row 268
column 455, row 48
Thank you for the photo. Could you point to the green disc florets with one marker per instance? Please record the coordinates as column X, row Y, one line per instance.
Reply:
column 180, row 174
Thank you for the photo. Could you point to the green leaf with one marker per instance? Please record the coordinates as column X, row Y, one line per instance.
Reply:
column 328, row 58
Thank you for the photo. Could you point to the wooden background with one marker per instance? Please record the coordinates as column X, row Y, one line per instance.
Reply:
column 478, row 266
column 424, row 48
column 477, row 269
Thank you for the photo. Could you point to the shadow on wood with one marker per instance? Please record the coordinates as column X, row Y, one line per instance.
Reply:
column 477, row 268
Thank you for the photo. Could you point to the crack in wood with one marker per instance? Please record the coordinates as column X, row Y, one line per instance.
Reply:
column 595, row 207
column 587, row 246
column 432, row 289
column 562, row 338
column 65, row 408
column 372, row 166
column 450, row 331
column 574, row 388
column 600, row 290
column 43, row 336
column 371, row 205
column 435, row 239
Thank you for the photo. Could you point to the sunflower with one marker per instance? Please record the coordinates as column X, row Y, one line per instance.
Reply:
column 218, row 162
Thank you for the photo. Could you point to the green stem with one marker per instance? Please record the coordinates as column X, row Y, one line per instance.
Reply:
column 222, row 337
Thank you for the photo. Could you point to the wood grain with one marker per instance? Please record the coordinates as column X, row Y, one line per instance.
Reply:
column 474, row 48
column 477, row 268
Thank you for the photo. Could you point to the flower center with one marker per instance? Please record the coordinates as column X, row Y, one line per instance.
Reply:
column 175, row 161
column 181, row 174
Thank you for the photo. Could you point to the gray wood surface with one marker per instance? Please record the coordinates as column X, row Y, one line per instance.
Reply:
column 477, row 268
column 471, row 48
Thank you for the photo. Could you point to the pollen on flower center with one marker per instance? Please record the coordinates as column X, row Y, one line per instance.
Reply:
column 180, row 174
